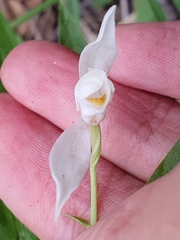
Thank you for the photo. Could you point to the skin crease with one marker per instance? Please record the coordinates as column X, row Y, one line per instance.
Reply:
column 141, row 126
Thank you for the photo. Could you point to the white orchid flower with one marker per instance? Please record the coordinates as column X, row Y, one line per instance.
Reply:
column 94, row 90
column 70, row 154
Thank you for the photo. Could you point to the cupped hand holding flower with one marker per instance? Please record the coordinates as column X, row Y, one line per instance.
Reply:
column 139, row 129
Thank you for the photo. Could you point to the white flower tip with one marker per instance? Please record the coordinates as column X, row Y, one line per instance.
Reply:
column 59, row 204
column 57, row 213
column 101, row 53
column 61, row 198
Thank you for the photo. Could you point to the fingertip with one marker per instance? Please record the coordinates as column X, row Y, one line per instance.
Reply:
column 148, row 57
column 35, row 57
column 37, row 71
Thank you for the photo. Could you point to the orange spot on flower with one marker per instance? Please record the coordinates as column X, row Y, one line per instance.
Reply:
column 97, row 101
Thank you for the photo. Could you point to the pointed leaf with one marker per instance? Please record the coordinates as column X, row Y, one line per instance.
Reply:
column 101, row 53
column 85, row 223
column 69, row 161
column 169, row 162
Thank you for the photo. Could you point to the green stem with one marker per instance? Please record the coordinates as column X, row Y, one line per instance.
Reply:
column 96, row 151
column 93, row 177
column 40, row 8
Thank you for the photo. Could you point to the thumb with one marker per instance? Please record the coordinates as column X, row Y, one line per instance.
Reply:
column 150, row 213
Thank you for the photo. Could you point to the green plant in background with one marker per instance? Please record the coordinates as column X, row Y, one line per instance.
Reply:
column 155, row 10
column 101, row 3
column 8, row 41
column 70, row 32
column 68, row 24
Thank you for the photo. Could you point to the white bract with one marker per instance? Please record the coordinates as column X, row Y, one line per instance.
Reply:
column 70, row 154
column 69, row 161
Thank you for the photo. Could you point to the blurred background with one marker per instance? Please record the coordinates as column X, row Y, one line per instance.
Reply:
column 44, row 25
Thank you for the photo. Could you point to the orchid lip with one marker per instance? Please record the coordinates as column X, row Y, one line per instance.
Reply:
column 98, row 101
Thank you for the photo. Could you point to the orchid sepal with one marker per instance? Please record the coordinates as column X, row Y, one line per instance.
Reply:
column 101, row 53
column 69, row 162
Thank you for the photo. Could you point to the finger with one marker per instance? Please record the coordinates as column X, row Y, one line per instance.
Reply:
column 148, row 57
column 151, row 213
column 26, row 185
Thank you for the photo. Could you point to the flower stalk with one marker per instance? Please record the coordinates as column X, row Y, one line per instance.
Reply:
column 95, row 155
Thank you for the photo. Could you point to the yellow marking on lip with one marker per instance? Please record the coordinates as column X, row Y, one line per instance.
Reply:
column 97, row 101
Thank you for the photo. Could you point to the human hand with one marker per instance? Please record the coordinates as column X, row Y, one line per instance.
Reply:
column 139, row 130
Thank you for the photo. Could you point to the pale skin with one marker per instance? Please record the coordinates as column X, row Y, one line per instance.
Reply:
column 140, row 128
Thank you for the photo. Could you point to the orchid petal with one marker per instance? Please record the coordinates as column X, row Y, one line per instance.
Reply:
column 89, row 83
column 101, row 53
column 69, row 161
